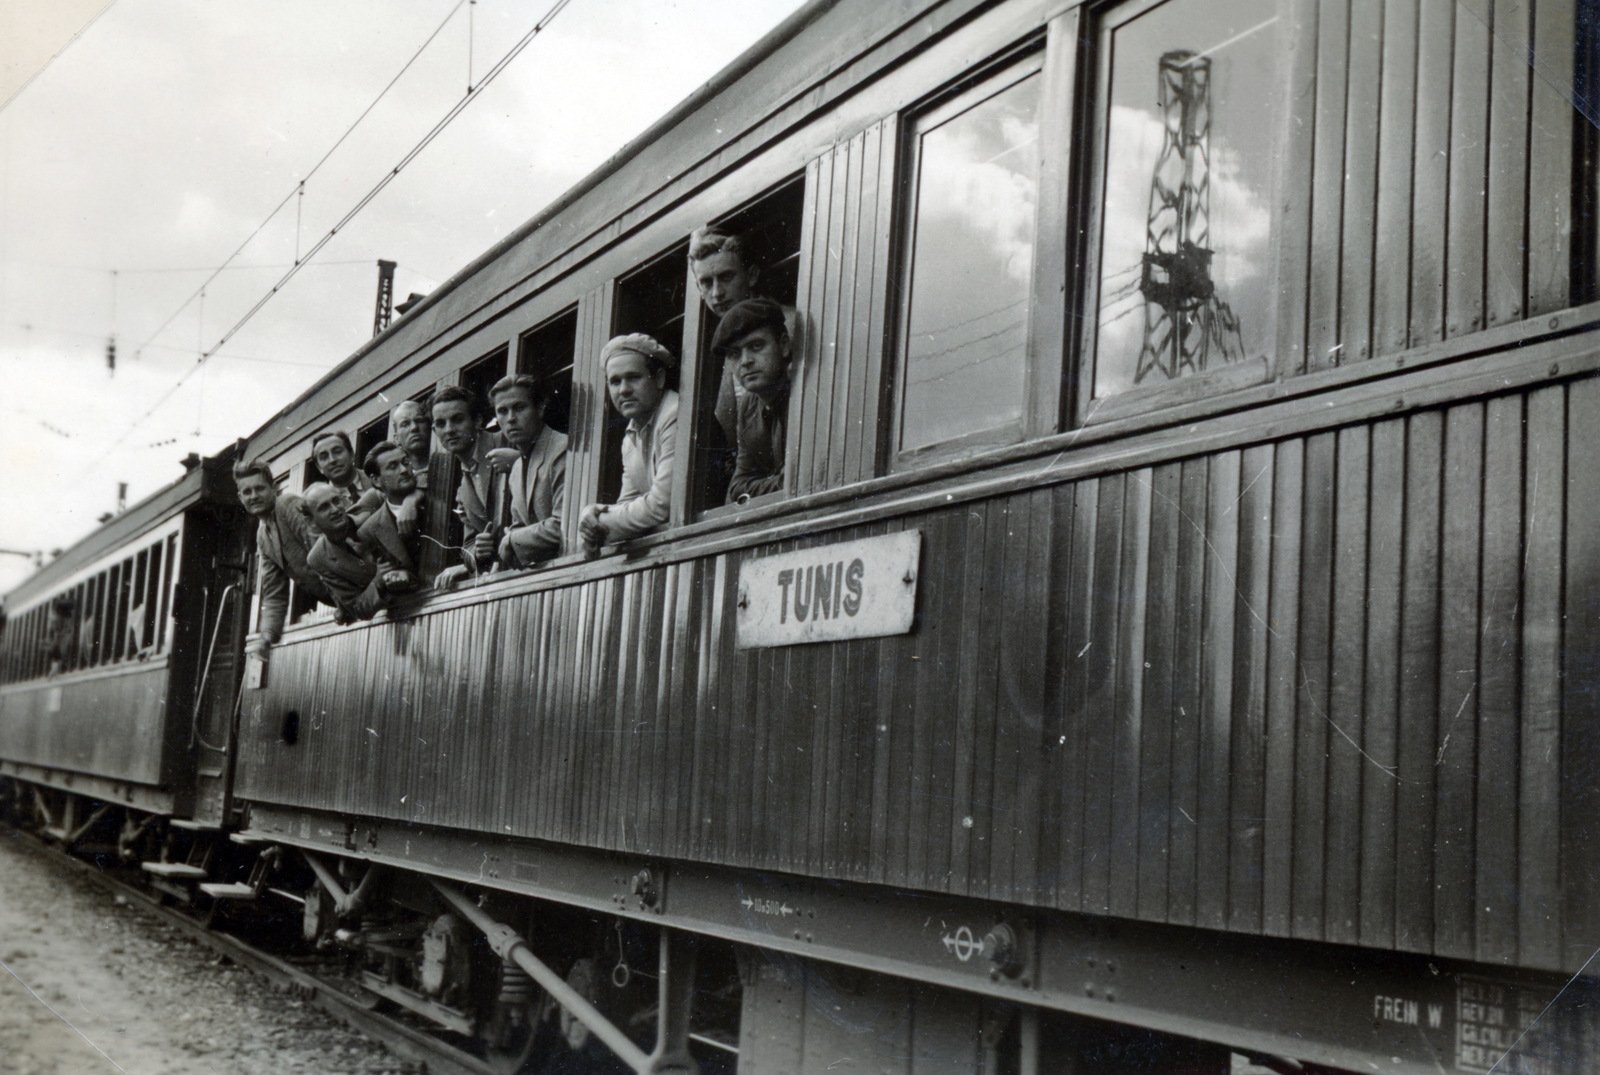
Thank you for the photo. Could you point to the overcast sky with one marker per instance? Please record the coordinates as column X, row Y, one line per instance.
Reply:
column 166, row 133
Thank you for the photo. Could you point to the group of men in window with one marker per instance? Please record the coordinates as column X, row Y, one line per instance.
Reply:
column 356, row 539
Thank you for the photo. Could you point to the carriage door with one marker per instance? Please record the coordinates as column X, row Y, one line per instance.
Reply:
column 223, row 546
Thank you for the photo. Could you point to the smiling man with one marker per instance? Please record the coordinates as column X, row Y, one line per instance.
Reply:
column 459, row 428
column 754, row 340
column 336, row 460
column 346, row 564
column 284, row 536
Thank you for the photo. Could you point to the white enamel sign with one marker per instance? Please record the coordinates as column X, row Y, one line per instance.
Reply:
column 855, row 589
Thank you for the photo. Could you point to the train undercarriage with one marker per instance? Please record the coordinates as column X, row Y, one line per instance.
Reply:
column 542, row 959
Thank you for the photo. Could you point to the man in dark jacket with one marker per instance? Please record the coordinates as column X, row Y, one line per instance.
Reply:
column 754, row 340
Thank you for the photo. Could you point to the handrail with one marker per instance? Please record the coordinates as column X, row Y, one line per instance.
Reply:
column 205, row 673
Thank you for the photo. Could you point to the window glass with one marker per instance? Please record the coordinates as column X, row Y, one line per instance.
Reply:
column 971, row 260
column 546, row 352
column 1189, row 141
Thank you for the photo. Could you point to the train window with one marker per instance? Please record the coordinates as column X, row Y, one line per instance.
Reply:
column 768, row 230
column 119, row 626
column 546, row 352
column 480, row 375
column 973, row 173
column 370, row 436
column 650, row 300
column 1186, row 118
column 168, row 586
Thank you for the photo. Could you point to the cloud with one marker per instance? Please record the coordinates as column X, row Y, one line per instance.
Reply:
column 166, row 134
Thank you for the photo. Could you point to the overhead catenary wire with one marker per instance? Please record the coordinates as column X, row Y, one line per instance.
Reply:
column 299, row 187
column 427, row 139
column 56, row 55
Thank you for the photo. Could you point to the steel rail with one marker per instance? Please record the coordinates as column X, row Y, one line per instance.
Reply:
column 405, row 1042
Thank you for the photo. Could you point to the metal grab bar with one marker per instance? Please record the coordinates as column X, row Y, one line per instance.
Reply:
column 205, row 674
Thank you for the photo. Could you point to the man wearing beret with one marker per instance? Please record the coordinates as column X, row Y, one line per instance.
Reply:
column 753, row 339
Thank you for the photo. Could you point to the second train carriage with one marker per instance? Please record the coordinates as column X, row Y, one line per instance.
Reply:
column 1217, row 380
column 120, row 667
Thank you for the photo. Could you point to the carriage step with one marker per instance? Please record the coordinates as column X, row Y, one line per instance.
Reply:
column 244, row 840
column 182, row 893
column 194, row 826
column 223, row 891
column 173, row 869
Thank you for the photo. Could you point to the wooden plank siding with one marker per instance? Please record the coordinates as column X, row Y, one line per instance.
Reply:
column 1300, row 688
column 1441, row 196
column 845, row 241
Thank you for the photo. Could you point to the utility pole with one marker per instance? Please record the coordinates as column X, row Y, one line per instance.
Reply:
column 380, row 318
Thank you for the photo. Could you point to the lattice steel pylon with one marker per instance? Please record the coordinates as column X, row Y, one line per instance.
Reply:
column 1186, row 326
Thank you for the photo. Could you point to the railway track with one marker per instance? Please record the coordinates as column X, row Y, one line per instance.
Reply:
column 405, row 1041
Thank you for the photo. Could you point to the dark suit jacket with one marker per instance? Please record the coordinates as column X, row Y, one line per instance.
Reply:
column 393, row 550
column 284, row 541
column 350, row 575
column 538, row 489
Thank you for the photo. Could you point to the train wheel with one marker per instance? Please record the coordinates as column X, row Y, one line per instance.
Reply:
column 584, row 978
column 510, row 1034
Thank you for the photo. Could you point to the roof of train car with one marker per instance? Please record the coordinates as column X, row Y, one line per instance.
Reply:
column 211, row 480
column 424, row 322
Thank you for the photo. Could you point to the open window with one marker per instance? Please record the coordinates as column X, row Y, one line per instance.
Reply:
column 480, row 375
column 370, row 436
column 768, row 233
column 546, row 353
column 1185, row 121
column 650, row 300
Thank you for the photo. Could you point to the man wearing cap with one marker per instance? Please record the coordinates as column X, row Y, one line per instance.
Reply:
column 753, row 339
column 538, row 481
column 726, row 277
column 347, row 565
column 284, row 537
column 636, row 369
column 336, row 460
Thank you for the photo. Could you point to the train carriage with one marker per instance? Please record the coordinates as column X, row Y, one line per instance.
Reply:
column 120, row 665
column 1173, row 637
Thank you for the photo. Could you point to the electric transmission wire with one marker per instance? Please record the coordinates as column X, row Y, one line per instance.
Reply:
column 389, row 176
column 300, row 184
column 56, row 55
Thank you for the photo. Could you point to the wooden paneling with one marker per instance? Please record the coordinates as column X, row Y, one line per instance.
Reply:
column 1438, row 135
column 846, row 234
column 74, row 737
column 1307, row 687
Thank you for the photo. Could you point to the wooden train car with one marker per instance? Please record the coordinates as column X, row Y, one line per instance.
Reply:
column 109, row 711
column 1202, row 390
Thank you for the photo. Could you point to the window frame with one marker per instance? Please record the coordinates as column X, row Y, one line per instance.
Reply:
column 1049, row 53
column 1093, row 120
